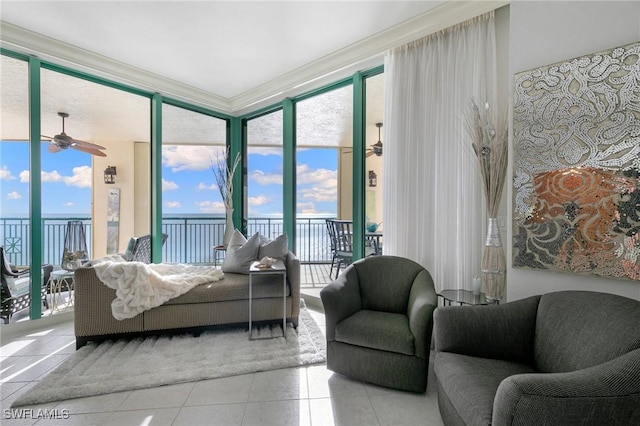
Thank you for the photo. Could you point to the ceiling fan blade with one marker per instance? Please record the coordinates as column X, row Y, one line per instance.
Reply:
column 45, row 136
column 53, row 148
column 369, row 153
column 89, row 150
column 78, row 142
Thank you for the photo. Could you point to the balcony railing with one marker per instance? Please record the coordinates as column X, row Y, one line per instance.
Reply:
column 191, row 238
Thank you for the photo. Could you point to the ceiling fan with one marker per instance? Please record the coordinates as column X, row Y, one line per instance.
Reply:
column 64, row 141
column 376, row 148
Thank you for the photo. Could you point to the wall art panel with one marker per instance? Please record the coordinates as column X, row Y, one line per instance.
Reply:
column 576, row 170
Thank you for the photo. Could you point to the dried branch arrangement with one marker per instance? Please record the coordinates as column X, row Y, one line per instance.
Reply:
column 490, row 142
column 223, row 172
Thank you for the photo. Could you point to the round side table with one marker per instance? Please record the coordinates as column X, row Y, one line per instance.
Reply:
column 465, row 297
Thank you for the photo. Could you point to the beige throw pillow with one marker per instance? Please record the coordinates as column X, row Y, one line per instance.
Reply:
column 277, row 248
column 241, row 253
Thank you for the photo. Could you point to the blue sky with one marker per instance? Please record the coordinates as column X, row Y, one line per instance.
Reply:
column 188, row 182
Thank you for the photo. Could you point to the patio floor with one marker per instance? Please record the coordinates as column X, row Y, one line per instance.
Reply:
column 313, row 278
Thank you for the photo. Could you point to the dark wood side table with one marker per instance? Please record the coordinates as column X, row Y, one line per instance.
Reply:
column 465, row 297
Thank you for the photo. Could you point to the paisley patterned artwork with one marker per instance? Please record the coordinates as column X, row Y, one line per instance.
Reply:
column 576, row 172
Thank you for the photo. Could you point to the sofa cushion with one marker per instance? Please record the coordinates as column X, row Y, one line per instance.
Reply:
column 470, row 383
column 241, row 253
column 277, row 248
column 377, row 330
column 233, row 287
column 580, row 329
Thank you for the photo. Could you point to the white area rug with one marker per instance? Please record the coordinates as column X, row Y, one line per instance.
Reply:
column 156, row 361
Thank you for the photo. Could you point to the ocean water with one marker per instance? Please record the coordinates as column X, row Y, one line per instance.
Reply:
column 191, row 237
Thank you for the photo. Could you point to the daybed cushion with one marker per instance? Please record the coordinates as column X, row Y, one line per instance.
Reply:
column 233, row 287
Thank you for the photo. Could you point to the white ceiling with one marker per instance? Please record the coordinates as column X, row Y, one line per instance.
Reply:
column 228, row 55
column 231, row 56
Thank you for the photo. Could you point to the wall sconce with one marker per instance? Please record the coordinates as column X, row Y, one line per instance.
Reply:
column 373, row 178
column 110, row 175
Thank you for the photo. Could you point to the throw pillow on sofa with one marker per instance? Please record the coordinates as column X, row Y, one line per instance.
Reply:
column 277, row 248
column 241, row 253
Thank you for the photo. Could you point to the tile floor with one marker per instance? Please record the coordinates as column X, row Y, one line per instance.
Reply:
column 310, row 395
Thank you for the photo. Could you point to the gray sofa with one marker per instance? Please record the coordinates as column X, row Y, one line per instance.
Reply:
column 379, row 316
column 563, row 358
column 219, row 303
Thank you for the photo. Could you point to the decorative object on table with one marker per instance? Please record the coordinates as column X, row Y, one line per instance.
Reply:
column 476, row 286
column 576, row 173
column 266, row 262
column 124, row 365
column 490, row 142
column 113, row 220
column 224, row 172
column 75, row 246
column 372, row 226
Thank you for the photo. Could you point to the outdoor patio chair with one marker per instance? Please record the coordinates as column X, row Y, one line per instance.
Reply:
column 15, row 292
column 343, row 238
column 139, row 249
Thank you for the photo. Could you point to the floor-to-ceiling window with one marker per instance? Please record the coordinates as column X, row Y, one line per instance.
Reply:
column 14, row 160
column 193, row 212
column 374, row 150
column 264, row 194
column 74, row 187
column 324, row 157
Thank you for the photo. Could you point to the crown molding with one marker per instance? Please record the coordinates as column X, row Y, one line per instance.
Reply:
column 352, row 57
column 60, row 53
column 358, row 56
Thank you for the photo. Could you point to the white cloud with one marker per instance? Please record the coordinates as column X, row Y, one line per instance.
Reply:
column 5, row 174
column 306, row 208
column 53, row 176
column 168, row 185
column 203, row 186
column 320, row 194
column 262, row 178
column 190, row 157
column 81, row 177
column 260, row 200
column 263, row 150
column 210, row 206
column 14, row 196
column 173, row 204
column 327, row 178
column 69, row 204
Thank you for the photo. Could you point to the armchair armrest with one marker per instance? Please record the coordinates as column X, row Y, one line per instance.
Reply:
column 423, row 300
column 608, row 393
column 341, row 299
column 497, row 332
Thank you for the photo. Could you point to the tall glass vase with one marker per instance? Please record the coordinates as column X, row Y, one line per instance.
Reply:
column 494, row 268
column 228, row 227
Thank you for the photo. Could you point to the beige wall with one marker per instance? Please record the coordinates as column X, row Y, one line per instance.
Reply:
column 132, row 164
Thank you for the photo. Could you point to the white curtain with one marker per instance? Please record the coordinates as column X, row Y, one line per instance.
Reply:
column 433, row 203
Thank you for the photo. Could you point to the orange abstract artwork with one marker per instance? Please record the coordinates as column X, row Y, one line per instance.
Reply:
column 577, row 165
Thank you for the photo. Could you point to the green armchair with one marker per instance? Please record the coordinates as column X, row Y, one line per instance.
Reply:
column 379, row 318
column 563, row 358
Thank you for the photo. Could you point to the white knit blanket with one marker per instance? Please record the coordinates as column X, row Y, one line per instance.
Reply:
column 140, row 287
